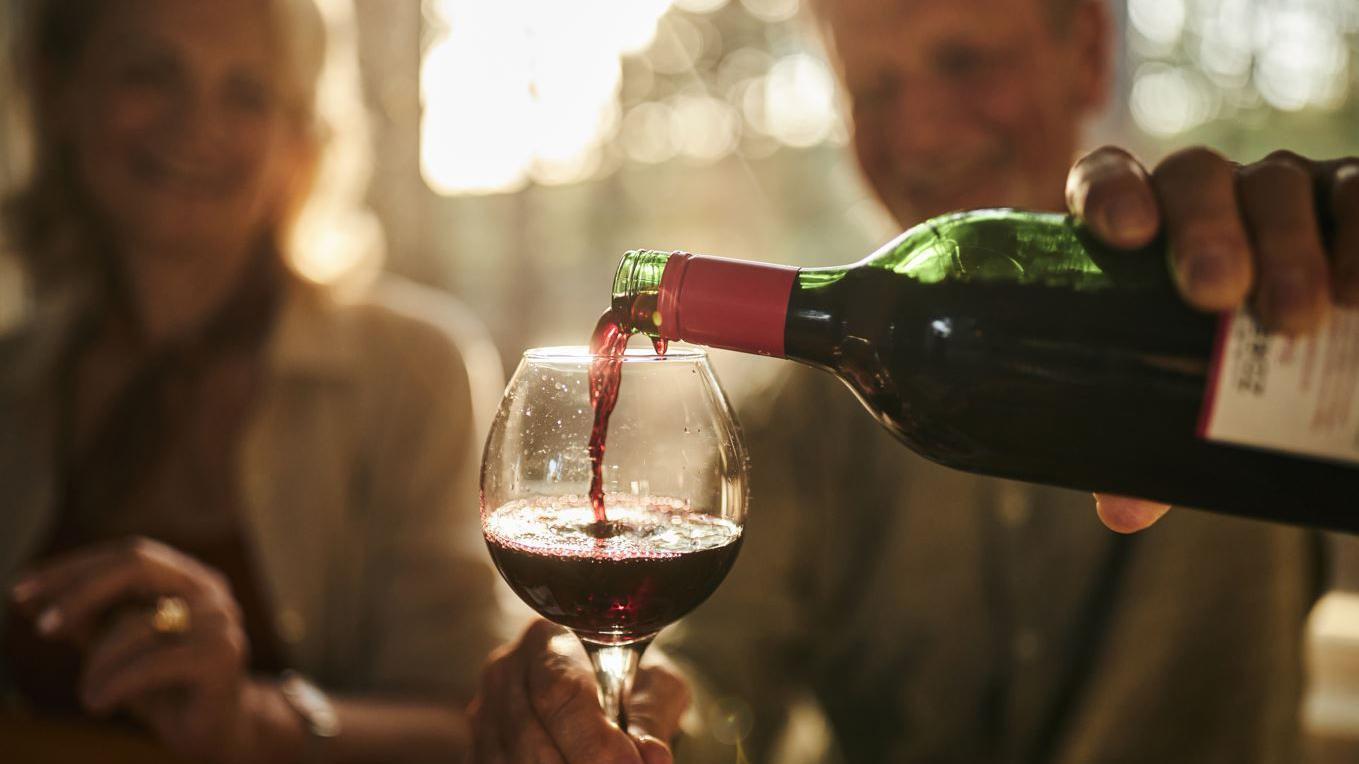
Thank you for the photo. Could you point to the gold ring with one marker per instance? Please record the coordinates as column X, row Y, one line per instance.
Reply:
column 171, row 616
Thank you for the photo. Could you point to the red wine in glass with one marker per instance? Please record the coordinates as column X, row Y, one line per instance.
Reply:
column 614, row 578
column 659, row 562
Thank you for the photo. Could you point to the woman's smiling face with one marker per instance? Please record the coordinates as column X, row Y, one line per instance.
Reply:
column 184, row 133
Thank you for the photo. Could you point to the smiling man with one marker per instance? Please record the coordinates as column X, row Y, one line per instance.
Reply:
column 933, row 616
column 940, row 617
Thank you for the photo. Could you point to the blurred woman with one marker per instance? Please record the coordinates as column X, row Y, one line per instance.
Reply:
column 222, row 487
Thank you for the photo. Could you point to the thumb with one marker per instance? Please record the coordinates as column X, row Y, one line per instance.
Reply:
column 653, row 751
column 1112, row 193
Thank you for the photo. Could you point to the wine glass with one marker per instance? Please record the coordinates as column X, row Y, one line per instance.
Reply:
column 674, row 475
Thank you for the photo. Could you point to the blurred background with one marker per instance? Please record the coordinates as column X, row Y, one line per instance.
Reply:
column 551, row 137
column 519, row 147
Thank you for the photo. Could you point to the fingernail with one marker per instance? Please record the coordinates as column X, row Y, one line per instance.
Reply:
column 1209, row 269
column 654, row 751
column 1129, row 218
column 49, row 621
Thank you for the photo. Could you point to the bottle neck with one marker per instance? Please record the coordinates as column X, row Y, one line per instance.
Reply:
column 730, row 304
column 815, row 322
column 808, row 314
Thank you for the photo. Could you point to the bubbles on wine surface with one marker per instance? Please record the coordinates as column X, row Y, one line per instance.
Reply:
column 651, row 527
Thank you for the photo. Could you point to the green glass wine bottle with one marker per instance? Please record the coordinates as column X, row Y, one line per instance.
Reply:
column 1013, row 344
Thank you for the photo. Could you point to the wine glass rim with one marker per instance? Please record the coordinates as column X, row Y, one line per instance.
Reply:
column 582, row 353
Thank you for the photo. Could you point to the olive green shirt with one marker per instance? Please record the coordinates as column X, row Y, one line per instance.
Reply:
column 928, row 615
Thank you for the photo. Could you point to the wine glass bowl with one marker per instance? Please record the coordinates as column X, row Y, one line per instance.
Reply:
column 674, row 475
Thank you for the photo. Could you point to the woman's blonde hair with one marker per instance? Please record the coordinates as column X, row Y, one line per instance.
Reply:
column 327, row 233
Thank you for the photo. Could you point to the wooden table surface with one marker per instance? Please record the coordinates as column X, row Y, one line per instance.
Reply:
column 27, row 740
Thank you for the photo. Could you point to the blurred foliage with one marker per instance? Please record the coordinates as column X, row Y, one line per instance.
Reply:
column 1246, row 76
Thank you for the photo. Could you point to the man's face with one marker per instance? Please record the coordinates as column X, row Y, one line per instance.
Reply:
column 962, row 104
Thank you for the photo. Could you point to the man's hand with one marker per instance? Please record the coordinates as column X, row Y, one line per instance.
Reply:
column 1235, row 233
column 537, row 703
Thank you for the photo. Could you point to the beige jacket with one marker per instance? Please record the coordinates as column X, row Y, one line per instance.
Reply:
column 358, row 482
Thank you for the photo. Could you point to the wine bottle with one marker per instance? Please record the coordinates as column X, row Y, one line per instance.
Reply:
column 1014, row 344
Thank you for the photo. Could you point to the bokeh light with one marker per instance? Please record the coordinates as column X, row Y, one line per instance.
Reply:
column 1160, row 21
column 799, row 100
column 1301, row 61
column 535, row 91
column 771, row 11
column 700, row 6
column 520, row 90
column 1167, row 100
column 705, row 128
column 1206, row 60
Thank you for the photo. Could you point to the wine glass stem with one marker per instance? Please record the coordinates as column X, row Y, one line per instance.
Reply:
column 615, row 668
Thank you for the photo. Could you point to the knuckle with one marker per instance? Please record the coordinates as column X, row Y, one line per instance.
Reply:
column 1111, row 152
column 216, row 582
column 1345, row 189
column 1195, row 162
column 501, row 654
column 1108, row 160
column 1091, row 176
column 562, row 693
column 1286, row 157
column 145, row 564
column 139, row 549
column 542, row 630
column 144, row 553
column 1274, row 176
column 558, row 666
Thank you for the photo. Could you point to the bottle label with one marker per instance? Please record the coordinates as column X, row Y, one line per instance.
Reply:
column 1299, row 395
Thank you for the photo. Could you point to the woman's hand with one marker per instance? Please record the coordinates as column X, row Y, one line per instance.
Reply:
column 537, row 704
column 1254, row 233
column 162, row 639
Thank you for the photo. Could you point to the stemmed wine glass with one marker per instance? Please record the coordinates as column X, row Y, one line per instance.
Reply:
column 674, row 476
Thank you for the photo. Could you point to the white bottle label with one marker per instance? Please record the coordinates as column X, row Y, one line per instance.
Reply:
column 1294, row 394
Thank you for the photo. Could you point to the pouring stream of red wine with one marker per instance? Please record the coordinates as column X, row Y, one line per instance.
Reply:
column 607, row 345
